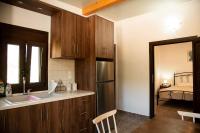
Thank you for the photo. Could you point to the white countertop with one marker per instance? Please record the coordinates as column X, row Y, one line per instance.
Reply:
column 4, row 104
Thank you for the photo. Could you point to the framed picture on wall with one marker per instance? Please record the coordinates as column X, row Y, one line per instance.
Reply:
column 190, row 56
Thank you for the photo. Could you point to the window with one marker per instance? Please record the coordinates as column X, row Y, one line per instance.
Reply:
column 32, row 63
column 35, row 65
column 13, row 64
column 25, row 60
column 23, row 53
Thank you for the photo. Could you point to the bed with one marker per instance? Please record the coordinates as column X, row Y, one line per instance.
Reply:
column 182, row 88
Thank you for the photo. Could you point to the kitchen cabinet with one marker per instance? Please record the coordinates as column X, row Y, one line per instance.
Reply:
column 103, row 31
column 2, row 121
column 38, row 118
column 18, row 120
column 82, row 36
column 84, row 111
column 64, row 116
column 68, row 35
column 54, row 116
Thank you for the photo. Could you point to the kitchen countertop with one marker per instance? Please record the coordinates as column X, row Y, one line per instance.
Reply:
column 4, row 104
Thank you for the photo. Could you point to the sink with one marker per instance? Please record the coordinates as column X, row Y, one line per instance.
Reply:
column 21, row 98
column 27, row 98
column 45, row 95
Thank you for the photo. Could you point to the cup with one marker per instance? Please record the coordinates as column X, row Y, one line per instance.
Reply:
column 68, row 87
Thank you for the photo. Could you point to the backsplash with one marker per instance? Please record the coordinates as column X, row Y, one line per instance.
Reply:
column 61, row 69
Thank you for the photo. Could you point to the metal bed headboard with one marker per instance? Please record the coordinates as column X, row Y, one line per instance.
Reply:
column 182, row 74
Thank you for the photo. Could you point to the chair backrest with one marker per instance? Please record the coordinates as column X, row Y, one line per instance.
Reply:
column 99, row 119
column 188, row 114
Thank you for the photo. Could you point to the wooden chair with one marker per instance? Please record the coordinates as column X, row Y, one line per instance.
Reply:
column 189, row 114
column 99, row 119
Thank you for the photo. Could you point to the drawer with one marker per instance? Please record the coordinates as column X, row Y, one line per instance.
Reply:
column 83, row 105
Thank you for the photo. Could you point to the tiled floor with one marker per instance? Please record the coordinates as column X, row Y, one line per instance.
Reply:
column 169, row 108
column 128, row 122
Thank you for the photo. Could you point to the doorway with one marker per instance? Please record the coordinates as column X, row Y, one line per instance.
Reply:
column 152, row 45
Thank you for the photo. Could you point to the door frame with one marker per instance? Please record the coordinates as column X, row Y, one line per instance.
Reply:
column 151, row 65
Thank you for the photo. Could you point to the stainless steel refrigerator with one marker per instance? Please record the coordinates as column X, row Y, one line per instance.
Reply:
column 105, row 83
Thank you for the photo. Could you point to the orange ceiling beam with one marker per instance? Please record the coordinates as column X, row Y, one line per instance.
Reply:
column 100, row 4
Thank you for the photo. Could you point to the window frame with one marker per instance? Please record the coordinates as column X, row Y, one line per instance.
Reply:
column 22, row 36
column 44, row 69
column 16, row 87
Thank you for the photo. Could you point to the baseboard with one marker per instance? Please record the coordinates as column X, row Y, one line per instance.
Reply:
column 122, row 111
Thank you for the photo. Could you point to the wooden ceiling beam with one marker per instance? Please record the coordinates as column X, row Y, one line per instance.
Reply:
column 100, row 4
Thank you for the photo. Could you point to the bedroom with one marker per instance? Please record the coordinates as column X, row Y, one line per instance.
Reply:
column 173, row 68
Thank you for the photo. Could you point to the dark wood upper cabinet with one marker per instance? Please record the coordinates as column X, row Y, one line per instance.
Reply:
column 104, row 37
column 68, row 35
column 82, row 35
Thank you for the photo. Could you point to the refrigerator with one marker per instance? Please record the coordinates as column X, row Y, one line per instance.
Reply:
column 105, row 85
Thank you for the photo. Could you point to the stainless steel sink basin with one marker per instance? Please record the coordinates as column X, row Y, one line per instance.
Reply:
column 21, row 98
column 44, row 95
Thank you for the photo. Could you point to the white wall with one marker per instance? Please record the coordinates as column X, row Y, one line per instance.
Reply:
column 58, row 69
column 133, row 37
column 170, row 59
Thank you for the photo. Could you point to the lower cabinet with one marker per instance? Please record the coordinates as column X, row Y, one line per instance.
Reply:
column 65, row 116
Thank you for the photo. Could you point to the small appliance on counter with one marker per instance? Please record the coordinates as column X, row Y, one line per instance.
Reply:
column 60, row 87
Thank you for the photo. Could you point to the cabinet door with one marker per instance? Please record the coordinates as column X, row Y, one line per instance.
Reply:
column 109, row 43
column 54, row 116
column 38, row 119
column 55, row 49
column 68, row 34
column 196, row 71
column 3, row 121
column 104, row 38
column 83, row 115
column 82, row 37
column 18, row 120
column 67, row 116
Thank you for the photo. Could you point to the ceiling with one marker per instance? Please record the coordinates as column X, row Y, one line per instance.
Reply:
column 127, row 8
column 79, row 3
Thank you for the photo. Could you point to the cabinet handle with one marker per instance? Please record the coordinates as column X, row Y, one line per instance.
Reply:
column 47, row 114
column 4, row 122
column 41, row 113
column 83, row 129
column 106, row 52
column 84, row 113
column 77, row 50
column 74, row 49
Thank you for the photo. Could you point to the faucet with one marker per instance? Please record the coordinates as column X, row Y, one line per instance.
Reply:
column 24, row 85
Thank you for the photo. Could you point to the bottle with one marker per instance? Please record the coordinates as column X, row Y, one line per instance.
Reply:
column 8, row 90
column 74, row 87
column 68, row 87
column 2, row 89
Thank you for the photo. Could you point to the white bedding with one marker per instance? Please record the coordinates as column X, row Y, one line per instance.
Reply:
column 187, row 88
column 178, row 92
